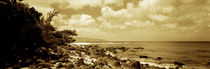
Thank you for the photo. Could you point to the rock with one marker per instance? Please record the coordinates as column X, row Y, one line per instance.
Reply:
column 89, row 61
column 42, row 65
column 158, row 58
column 117, row 64
column 143, row 56
column 71, row 48
column 106, row 67
column 138, row 48
column 40, row 61
column 100, row 52
column 61, row 60
column 122, row 48
column 97, row 67
column 118, row 51
column 85, row 67
column 23, row 68
column 101, row 63
column 124, row 59
column 114, row 64
column 80, row 62
column 69, row 66
column 179, row 64
column 115, row 58
column 60, row 65
column 134, row 65
column 110, row 53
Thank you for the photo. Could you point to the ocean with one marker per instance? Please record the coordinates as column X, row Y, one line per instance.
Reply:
column 195, row 55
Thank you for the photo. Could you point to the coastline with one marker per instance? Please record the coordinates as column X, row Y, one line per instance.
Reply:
column 96, row 57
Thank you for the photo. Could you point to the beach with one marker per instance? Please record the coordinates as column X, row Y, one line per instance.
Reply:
column 192, row 54
column 124, row 55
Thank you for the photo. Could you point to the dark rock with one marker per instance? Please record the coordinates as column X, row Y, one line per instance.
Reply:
column 179, row 64
column 42, row 65
column 115, row 58
column 111, row 49
column 143, row 56
column 61, row 60
column 40, row 61
column 71, row 48
column 138, row 48
column 80, row 62
column 208, row 63
column 122, row 48
column 60, row 65
column 136, row 65
column 132, row 65
column 101, row 63
column 85, row 67
column 97, row 67
column 106, row 67
column 158, row 58
column 117, row 64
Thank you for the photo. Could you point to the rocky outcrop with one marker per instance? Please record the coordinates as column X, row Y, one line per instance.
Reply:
column 94, row 57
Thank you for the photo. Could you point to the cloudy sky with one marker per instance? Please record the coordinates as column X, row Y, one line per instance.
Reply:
column 132, row 20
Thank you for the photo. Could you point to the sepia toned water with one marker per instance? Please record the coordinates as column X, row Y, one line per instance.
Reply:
column 195, row 55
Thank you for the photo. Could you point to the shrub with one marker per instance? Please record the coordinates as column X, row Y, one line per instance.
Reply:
column 25, row 32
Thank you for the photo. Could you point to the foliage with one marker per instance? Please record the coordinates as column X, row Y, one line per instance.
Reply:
column 25, row 33
column 53, row 37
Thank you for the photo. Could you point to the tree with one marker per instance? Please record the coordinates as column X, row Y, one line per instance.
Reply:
column 24, row 31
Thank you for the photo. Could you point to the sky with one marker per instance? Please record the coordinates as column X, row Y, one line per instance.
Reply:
column 131, row 20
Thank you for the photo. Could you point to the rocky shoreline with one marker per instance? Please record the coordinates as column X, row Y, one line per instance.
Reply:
column 96, row 57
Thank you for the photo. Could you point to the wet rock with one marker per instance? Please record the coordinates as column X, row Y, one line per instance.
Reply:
column 110, row 53
column 106, row 67
column 22, row 68
column 71, row 48
column 61, row 60
column 124, row 59
column 118, row 51
column 136, row 65
column 122, row 48
column 40, row 61
column 89, row 61
column 179, row 64
column 208, row 64
column 85, row 67
column 158, row 58
column 115, row 58
column 60, row 65
column 114, row 64
column 138, row 48
column 132, row 65
column 100, row 52
column 97, row 67
column 69, row 66
column 143, row 56
column 111, row 49
column 101, row 63
column 117, row 64
column 42, row 65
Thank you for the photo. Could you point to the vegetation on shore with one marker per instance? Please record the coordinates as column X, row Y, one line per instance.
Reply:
column 27, row 35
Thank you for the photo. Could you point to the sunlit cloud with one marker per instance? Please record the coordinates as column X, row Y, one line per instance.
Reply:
column 145, row 19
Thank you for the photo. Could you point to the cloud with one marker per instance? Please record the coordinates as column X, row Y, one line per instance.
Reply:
column 43, row 10
column 145, row 19
column 158, row 17
column 81, row 20
column 77, row 4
